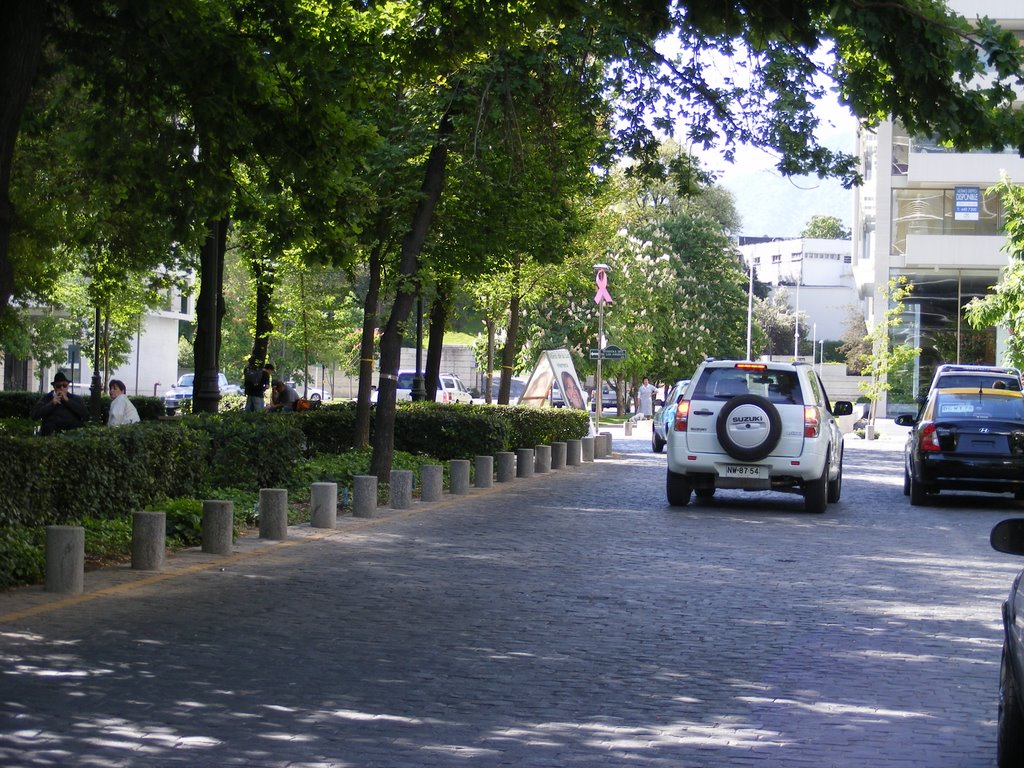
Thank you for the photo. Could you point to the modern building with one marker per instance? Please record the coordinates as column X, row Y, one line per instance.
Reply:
column 818, row 276
column 925, row 213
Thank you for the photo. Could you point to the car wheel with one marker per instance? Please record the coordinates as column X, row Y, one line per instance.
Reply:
column 657, row 444
column 816, row 493
column 677, row 490
column 705, row 493
column 749, row 427
column 918, row 493
column 314, row 397
column 1010, row 733
column 835, row 487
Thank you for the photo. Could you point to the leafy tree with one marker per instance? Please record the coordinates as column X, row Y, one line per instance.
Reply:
column 826, row 228
column 1005, row 305
column 885, row 358
column 778, row 320
column 855, row 347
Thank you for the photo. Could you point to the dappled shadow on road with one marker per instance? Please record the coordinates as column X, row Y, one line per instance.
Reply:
column 594, row 627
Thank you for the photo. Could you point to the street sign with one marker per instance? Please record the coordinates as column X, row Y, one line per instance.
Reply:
column 611, row 352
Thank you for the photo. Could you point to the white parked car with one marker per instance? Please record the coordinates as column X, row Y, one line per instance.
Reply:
column 182, row 391
column 311, row 392
column 757, row 427
column 450, row 388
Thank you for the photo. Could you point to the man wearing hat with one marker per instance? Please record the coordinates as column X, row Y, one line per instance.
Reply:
column 59, row 409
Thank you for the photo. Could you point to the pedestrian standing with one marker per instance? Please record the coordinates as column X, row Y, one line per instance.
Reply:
column 646, row 395
column 255, row 381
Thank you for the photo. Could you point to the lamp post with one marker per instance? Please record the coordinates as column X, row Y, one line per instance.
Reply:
column 97, row 384
column 419, row 390
column 601, row 297
column 750, row 306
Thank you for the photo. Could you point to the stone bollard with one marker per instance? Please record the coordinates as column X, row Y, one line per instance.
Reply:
column 458, row 470
column 506, row 467
column 599, row 452
column 484, row 471
column 431, row 482
column 542, row 459
column 149, row 536
column 218, row 527
column 628, row 427
column 587, row 445
column 607, row 444
column 573, row 453
column 400, row 494
column 323, row 504
column 65, row 559
column 524, row 462
column 558, row 455
column 274, row 513
column 364, row 495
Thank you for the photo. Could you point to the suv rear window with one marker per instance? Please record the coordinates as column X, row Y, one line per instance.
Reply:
column 782, row 387
column 954, row 380
column 405, row 380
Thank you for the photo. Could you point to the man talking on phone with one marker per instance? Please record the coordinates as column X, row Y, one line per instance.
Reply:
column 59, row 409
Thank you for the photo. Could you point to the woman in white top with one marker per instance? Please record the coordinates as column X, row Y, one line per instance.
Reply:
column 121, row 409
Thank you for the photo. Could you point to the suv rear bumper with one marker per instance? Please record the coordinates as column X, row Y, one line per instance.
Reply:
column 775, row 472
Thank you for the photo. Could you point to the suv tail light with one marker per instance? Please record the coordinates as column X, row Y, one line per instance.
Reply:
column 682, row 414
column 929, row 438
column 812, row 421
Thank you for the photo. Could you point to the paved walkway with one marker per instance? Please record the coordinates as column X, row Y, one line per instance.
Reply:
column 570, row 619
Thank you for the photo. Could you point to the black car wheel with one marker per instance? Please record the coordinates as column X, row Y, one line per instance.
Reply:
column 816, row 493
column 754, row 432
column 918, row 493
column 678, row 490
column 1010, row 734
column 657, row 444
column 835, row 487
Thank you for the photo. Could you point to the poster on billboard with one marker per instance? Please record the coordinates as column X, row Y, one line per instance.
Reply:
column 554, row 382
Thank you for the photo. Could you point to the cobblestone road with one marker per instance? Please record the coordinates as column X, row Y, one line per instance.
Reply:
column 571, row 619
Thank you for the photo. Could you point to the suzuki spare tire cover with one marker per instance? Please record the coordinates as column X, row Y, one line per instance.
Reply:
column 749, row 427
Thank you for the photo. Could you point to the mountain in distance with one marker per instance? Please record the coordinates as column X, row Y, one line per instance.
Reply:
column 770, row 205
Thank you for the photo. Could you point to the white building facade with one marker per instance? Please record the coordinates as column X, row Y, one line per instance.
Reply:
column 817, row 274
column 924, row 213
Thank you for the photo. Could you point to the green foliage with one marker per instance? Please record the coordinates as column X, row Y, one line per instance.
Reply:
column 107, row 538
column 529, row 427
column 826, row 228
column 449, row 431
column 22, row 555
column 14, row 404
column 886, row 358
column 184, row 519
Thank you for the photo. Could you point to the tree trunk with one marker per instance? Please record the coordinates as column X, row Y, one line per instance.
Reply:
column 209, row 312
column 508, row 353
column 21, row 36
column 440, row 308
column 263, row 276
column 489, row 378
column 366, row 344
column 408, row 282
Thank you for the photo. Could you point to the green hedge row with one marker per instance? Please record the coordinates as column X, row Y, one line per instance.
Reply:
column 101, row 472
column 19, row 405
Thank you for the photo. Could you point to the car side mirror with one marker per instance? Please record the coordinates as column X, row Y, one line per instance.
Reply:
column 842, row 408
column 905, row 420
column 1008, row 536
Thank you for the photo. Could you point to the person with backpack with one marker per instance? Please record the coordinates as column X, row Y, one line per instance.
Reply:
column 255, row 381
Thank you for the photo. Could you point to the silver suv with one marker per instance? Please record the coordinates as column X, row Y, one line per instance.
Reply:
column 756, row 427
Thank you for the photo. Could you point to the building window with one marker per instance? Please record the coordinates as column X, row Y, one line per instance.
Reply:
column 776, row 258
column 932, row 212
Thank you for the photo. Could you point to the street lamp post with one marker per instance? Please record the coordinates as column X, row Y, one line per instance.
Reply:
column 419, row 390
column 601, row 297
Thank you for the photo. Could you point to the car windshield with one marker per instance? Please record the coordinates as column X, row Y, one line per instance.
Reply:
column 950, row 380
column 978, row 405
column 186, row 380
column 778, row 386
column 405, row 380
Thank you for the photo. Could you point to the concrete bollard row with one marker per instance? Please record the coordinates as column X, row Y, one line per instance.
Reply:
column 274, row 514
column 573, row 453
column 606, row 449
column 458, row 471
column 431, row 482
column 484, row 471
column 506, row 467
column 524, row 462
column 149, row 536
column 400, row 495
column 65, row 559
column 628, row 428
column 323, row 502
column 542, row 459
column 218, row 526
column 364, row 495
column 558, row 455
column 587, row 445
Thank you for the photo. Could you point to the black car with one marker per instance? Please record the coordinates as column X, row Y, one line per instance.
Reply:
column 968, row 439
column 1008, row 536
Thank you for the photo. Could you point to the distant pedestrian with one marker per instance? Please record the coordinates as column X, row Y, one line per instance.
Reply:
column 255, row 382
column 121, row 409
column 283, row 398
column 59, row 409
column 646, row 395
